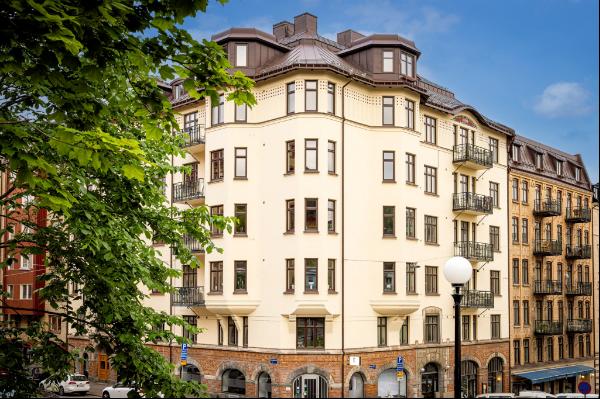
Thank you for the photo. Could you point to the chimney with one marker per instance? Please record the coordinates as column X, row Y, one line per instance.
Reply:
column 347, row 37
column 282, row 30
column 305, row 23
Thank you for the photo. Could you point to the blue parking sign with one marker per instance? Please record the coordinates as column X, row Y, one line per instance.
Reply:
column 183, row 351
column 400, row 364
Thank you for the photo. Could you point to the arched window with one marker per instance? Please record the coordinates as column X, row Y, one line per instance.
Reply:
column 264, row 385
column 468, row 370
column 389, row 386
column 430, row 379
column 357, row 386
column 310, row 386
column 234, row 382
column 495, row 374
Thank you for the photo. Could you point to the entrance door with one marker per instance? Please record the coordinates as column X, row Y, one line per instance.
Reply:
column 309, row 387
column 103, row 367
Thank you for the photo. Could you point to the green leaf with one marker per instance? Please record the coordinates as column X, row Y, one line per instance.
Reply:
column 133, row 172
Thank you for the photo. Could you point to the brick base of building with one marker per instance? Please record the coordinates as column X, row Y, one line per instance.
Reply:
column 284, row 368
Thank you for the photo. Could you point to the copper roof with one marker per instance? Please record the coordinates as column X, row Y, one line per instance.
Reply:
column 381, row 40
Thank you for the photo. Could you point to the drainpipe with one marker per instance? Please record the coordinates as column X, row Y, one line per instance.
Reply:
column 170, row 267
column 508, row 261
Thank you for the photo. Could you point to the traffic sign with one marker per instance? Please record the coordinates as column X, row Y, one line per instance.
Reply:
column 584, row 387
column 184, row 362
column 400, row 364
column 399, row 375
column 184, row 351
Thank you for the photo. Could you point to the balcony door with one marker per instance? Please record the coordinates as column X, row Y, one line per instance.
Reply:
column 189, row 277
column 192, row 175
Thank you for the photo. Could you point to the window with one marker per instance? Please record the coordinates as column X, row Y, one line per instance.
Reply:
column 430, row 130
column 331, row 216
column 430, row 180
column 310, row 95
column 517, row 351
column 430, row 229
column 516, row 313
column 388, row 61
column 218, row 111
column 516, row 152
column 570, row 346
column 190, row 122
column 382, row 331
column 524, row 191
column 495, row 282
column 559, row 167
column 494, row 193
column 432, row 329
column 331, row 98
column 310, row 214
column 526, row 351
column 192, row 321
column 290, row 157
column 310, row 333
column 25, row 263
column 241, row 162
column 525, row 313
column 404, row 332
column 561, row 348
column 290, row 220
column 577, row 174
column 220, row 333
column 411, row 278
column 55, row 323
column 240, row 276
column 515, row 229
column 311, row 160
column 245, row 331
column 524, row 231
column 331, row 275
column 550, row 349
column 580, row 345
column 241, row 216
column 525, row 272
column 232, row 332
column 406, row 64
column 411, row 223
column 388, row 110
column 389, row 168
column 389, row 277
column 10, row 289
column 475, row 327
column 495, row 238
column 495, row 320
column 26, row 292
column 539, row 346
column 389, row 225
column 588, row 345
column 515, row 190
column 178, row 91
column 515, row 271
column 331, row 157
column 291, row 98
column 410, row 114
column 216, row 165
column 189, row 276
column 216, row 277
column 538, row 160
column 241, row 111
column 290, row 277
column 311, row 278
column 241, row 55
column 431, row 280
column 494, row 149
column 466, row 328
column 216, row 210
column 410, row 168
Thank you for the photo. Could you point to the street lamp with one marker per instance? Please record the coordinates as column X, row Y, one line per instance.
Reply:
column 457, row 271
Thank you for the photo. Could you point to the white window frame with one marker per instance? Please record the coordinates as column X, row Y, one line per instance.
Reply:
column 25, row 261
column 238, row 47
column 29, row 291
column 387, row 55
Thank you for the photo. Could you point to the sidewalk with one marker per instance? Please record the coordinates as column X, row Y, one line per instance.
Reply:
column 97, row 387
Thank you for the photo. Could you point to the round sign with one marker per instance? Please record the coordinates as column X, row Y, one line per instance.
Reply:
column 584, row 387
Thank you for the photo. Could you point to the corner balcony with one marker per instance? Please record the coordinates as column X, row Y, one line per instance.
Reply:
column 548, row 327
column 547, row 247
column 477, row 299
column 191, row 191
column 546, row 208
column 194, row 136
column 473, row 204
column 188, row 296
column 578, row 289
column 579, row 326
column 578, row 215
column 192, row 244
column 547, row 287
column 474, row 251
column 472, row 156
column 579, row 252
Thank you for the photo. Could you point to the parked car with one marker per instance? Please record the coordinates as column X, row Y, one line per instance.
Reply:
column 117, row 391
column 74, row 383
column 535, row 394
column 499, row 395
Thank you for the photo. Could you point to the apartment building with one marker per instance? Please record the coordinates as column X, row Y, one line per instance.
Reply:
column 552, row 274
column 596, row 268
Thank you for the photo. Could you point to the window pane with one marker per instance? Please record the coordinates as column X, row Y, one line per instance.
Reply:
column 310, row 275
column 388, row 61
column 241, row 52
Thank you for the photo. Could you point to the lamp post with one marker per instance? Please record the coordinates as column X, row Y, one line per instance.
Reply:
column 457, row 271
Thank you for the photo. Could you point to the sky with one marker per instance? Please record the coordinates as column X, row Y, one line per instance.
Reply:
column 531, row 65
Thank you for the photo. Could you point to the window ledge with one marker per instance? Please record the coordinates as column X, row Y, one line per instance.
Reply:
column 389, row 293
column 333, row 233
column 332, row 292
column 392, row 181
column 408, row 183
column 240, row 178
column 308, row 171
column 288, row 233
column 241, row 235
column 215, row 181
column 289, row 173
column 432, row 294
column 432, row 194
column 215, row 293
column 412, row 293
column 311, row 292
column 412, row 238
column 216, row 236
column 240, row 292
column 311, row 231
column 288, row 292
column 435, row 244
column 389, row 237
column 332, row 174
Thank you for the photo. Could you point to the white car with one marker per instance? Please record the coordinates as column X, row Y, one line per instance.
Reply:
column 535, row 394
column 116, row 391
column 74, row 383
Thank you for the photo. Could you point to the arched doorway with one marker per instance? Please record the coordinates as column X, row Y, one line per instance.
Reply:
column 233, row 381
column 389, row 386
column 310, row 386
column 430, row 379
column 468, row 370
column 357, row 386
column 264, row 385
column 191, row 373
column 495, row 374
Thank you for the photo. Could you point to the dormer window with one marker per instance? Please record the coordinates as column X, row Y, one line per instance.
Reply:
column 538, row 160
column 406, row 64
column 388, row 61
column 577, row 173
column 559, row 167
column 516, row 149
column 241, row 54
column 178, row 91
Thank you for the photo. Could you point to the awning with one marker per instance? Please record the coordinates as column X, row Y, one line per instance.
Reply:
column 544, row 375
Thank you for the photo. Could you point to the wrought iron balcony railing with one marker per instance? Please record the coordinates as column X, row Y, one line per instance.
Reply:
column 579, row 251
column 194, row 135
column 547, row 247
column 188, row 296
column 578, row 215
column 547, row 287
column 471, row 153
column 546, row 207
column 477, row 299
column 476, row 251
column 192, row 244
column 188, row 189
column 579, row 325
column 548, row 327
column 578, row 289
column 473, row 203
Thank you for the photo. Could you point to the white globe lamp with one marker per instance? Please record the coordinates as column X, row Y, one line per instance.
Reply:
column 458, row 270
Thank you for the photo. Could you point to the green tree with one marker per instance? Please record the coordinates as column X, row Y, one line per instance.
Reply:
column 86, row 131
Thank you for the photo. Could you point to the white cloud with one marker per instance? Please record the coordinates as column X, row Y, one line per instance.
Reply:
column 563, row 99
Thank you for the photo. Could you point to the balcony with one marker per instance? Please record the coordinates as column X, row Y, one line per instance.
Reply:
column 548, row 327
column 546, row 208
column 192, row 244
column 547, row 287
column 477, row 299
column 547, row 247
column 578, row 289
column 188, row 190
column 474, row 204
column 188, row 296
column 578, row 215
column 194, row 135
column 472, row 156
column 579, row 326
column 579, row 252
column 474, row 251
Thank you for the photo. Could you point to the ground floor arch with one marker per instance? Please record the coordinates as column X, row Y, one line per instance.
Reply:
column 388, row 384
column 310, row 386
